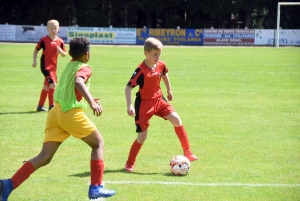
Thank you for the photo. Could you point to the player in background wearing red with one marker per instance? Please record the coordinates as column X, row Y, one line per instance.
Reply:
column 150, row 101
column 52, row 46
column 67, row 118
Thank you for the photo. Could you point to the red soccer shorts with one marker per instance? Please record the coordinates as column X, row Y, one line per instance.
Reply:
column 146, row 108
column 50, row 78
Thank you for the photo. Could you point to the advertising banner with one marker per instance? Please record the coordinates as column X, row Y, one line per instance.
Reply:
column 286, row 37
column 107, row 35
column 104, row 35
column 171, row 36
column 29, row 33
column 7, row 32
column 229, row 36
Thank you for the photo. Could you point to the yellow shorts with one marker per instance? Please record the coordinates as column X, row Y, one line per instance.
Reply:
column 60, row 125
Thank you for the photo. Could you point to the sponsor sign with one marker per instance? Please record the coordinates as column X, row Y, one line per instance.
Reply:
column 229, row 36
column 29, row 33
column 104, row 35
column 286, row 37
column 7, row 32
column 171, row 36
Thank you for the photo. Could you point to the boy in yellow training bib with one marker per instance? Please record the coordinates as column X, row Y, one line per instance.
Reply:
column 67, row 118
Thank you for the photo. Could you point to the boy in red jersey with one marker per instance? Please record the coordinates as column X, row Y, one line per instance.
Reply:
column 150, row 101
column 52, row 45
column 67, row 118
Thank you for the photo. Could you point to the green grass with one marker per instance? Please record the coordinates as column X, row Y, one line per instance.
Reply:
column 240, row 106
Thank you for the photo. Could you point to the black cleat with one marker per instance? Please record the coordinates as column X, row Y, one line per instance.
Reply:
column 41, row 109
column 50, row 107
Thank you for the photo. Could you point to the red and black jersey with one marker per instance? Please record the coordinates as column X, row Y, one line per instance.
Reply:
column 148, row 80
column 49, row 55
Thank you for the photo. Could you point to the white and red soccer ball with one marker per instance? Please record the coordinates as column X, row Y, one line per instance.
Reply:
column 180, row 165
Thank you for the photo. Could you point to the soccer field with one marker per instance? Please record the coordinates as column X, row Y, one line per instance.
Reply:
column 240, row 107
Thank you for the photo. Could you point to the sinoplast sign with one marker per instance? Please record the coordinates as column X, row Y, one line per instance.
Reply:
column 104, row 35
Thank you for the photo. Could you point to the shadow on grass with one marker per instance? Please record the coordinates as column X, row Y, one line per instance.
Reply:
column 168, row 174
column 29, row 112
column 87, row 174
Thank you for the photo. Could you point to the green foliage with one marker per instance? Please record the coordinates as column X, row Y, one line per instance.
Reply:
column 255, row 14
column 240, row 107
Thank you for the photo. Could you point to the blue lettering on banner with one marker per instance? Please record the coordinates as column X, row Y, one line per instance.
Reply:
column 228, row 35
column 171, row 36
column 282, row 41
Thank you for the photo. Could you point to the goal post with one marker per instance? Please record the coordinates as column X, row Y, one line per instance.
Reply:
column 278, row 17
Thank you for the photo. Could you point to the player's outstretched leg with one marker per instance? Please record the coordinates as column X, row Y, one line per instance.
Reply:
column 99, row 192
column 6, row 187
column 185, row 144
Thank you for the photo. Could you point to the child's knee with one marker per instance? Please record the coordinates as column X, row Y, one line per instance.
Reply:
column 142, row 137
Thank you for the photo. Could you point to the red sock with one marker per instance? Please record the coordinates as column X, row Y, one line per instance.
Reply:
column 97, row 170
column 135, row 148
column 22, row 174
column 43, row 97
column 50, row 96
column 183, row 138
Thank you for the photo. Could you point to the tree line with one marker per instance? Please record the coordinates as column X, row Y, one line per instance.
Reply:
column 237, row 14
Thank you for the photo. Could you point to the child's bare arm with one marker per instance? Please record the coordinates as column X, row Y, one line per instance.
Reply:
column 166, row 80
column 130, row 108
column 61, row 51
column 35, row 52
column 95, row 106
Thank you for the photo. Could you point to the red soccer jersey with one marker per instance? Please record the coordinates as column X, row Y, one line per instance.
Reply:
column 148, row 80
column 49, row 55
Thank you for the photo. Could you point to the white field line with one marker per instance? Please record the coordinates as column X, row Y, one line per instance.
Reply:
column 201, row 184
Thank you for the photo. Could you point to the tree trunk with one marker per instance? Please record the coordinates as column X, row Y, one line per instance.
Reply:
column 247, row 18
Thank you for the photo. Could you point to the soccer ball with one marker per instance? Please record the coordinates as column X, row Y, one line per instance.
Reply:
column 180, row 165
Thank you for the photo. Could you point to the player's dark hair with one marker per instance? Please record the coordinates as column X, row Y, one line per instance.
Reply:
column 79, row 46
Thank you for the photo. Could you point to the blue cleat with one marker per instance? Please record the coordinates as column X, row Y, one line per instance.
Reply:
column 6, row 187
column 99, row 192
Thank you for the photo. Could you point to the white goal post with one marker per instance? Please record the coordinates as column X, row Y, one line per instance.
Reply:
column 278, row 17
